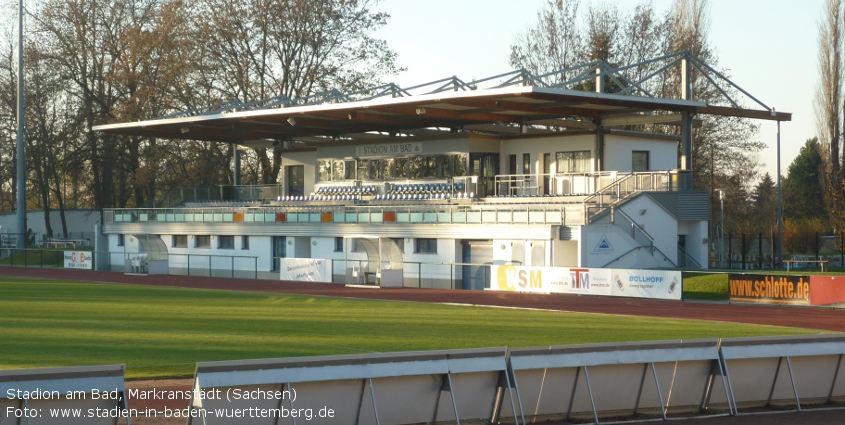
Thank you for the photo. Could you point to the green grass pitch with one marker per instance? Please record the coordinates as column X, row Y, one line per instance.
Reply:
column 160, row 331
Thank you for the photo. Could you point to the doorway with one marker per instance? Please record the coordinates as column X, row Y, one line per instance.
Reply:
column 486, row 167
column 480, row 255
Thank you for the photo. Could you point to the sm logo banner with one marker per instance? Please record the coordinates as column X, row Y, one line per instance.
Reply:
column 510, row 278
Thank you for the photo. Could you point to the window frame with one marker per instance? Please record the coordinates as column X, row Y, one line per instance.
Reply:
column 179, row 241
column 202, row 241
column 425, row 246
column 230, row 242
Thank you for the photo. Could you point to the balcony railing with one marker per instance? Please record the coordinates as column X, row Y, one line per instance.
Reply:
column 554, row 214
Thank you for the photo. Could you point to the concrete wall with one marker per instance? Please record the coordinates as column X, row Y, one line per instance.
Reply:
column 663, row 154
column 658, row 223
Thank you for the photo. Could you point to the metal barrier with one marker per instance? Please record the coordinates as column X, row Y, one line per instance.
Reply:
column 589, row 382
column 660, row 380
column 88, row 394
column 383, row 389
column 783, row 372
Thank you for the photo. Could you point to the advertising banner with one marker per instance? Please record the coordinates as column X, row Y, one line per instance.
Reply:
column 306, row 269
column 769, row 289
column 589, row 281
column 656, row 284
column 78, row 260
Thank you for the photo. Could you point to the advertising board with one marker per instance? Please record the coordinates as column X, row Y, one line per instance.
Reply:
column 779, row 289
column 78, row 260
column 306, row 269
column 657, row 284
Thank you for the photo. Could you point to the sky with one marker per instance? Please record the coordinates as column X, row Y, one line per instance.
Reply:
column 768, row 48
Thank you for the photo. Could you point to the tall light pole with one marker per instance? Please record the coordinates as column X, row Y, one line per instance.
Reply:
column 21, row 213
column 780, row 206
column 722, row 230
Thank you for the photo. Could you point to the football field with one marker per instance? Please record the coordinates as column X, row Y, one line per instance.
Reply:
column 163, row 331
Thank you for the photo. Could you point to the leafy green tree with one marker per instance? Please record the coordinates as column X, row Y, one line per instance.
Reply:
column 802, row 188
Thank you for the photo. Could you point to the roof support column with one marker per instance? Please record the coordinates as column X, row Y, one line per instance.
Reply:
column 686, row 140
column 236, row 177
column 599, row 161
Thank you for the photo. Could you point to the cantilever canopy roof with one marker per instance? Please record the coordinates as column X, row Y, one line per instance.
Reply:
column 509, row 108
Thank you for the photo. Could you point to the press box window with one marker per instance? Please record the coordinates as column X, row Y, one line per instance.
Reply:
column 203, row 241
column 179, row 241
column 426, row 246
column 226, row 242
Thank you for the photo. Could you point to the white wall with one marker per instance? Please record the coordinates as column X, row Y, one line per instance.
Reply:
column 663, row 154
column 565, row 253
column 658, row 223
column 619, row 243
column 696, row 232
column 536, row 147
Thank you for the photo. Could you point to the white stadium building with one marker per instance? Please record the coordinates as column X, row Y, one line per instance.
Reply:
column 426, row 186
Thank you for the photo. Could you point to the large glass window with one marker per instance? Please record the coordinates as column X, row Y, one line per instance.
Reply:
column 349, row 170
column 337, row 170
column 444, row 166
column 376, row 169
column 324, row 170
column 460, row 165
column 415, row 167
column 389, row 169
column 363, row 169
column 639, row 161
column 573, row 162
column 401, row 168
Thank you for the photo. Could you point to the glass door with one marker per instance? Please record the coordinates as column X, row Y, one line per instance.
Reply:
column 486, row 167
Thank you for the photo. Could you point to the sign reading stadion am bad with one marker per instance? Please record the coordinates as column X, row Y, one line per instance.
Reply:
column 591, row 281
column 389, row 149
column 766, row 288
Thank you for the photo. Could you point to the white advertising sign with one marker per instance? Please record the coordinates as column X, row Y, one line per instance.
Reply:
column 660, row 284
column 555, row 280
column 78, row 260
column 306, row 269
column 657, row 284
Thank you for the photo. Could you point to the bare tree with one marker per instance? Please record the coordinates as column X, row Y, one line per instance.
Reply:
column 827, row 104
column 263, row 48
column 554, row 43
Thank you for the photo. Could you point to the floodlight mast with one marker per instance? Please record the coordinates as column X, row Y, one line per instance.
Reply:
column 21, row 175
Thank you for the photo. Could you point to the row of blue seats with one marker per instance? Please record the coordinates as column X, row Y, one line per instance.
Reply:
column 346, row 190
column 314, row 198
column 427, row 187
column 421, row 196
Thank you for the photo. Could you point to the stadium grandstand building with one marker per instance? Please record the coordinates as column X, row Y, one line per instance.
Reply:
column 505, row 170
